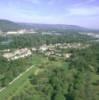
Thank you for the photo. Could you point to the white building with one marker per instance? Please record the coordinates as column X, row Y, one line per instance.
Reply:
column 34, row 49
column 43, row 48
column 11, row 32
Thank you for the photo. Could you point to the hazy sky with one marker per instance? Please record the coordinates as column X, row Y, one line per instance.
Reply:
column 77, row 12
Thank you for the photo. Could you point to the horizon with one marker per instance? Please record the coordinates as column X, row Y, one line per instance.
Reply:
column 43, row 23
column 84, row 13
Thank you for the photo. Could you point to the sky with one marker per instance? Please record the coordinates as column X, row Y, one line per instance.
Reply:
column 73, row 12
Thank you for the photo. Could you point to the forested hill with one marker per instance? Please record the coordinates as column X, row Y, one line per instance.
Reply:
column 52, row 26
column 6, row 25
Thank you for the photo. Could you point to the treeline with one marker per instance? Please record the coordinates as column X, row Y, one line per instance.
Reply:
column 30, row 40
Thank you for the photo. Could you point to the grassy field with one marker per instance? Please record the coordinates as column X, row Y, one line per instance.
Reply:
column 17, row 85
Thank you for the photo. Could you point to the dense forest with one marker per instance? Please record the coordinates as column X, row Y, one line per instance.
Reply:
column 35, row 40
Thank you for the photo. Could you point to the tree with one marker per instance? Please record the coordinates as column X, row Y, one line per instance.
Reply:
column 59, row 96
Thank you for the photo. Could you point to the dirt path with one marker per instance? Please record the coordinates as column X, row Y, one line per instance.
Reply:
column 17, row 77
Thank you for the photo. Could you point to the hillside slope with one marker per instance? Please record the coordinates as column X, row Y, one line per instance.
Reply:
column 6, row 25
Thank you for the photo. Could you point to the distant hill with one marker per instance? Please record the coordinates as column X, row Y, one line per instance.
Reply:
column 6, row 25
column 53, row 26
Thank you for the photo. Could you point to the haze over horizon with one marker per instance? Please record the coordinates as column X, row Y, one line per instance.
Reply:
column 79, row 12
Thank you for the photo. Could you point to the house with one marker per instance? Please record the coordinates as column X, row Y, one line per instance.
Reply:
column 43, row 48
column 34, row 49
column 11, row 32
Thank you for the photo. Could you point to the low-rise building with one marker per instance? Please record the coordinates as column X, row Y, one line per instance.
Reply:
column 34, row 49
column 43, row 48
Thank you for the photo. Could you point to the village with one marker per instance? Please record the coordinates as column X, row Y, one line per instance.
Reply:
column 51, row 50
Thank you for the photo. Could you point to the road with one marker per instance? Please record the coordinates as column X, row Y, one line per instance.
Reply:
column 20, row 75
